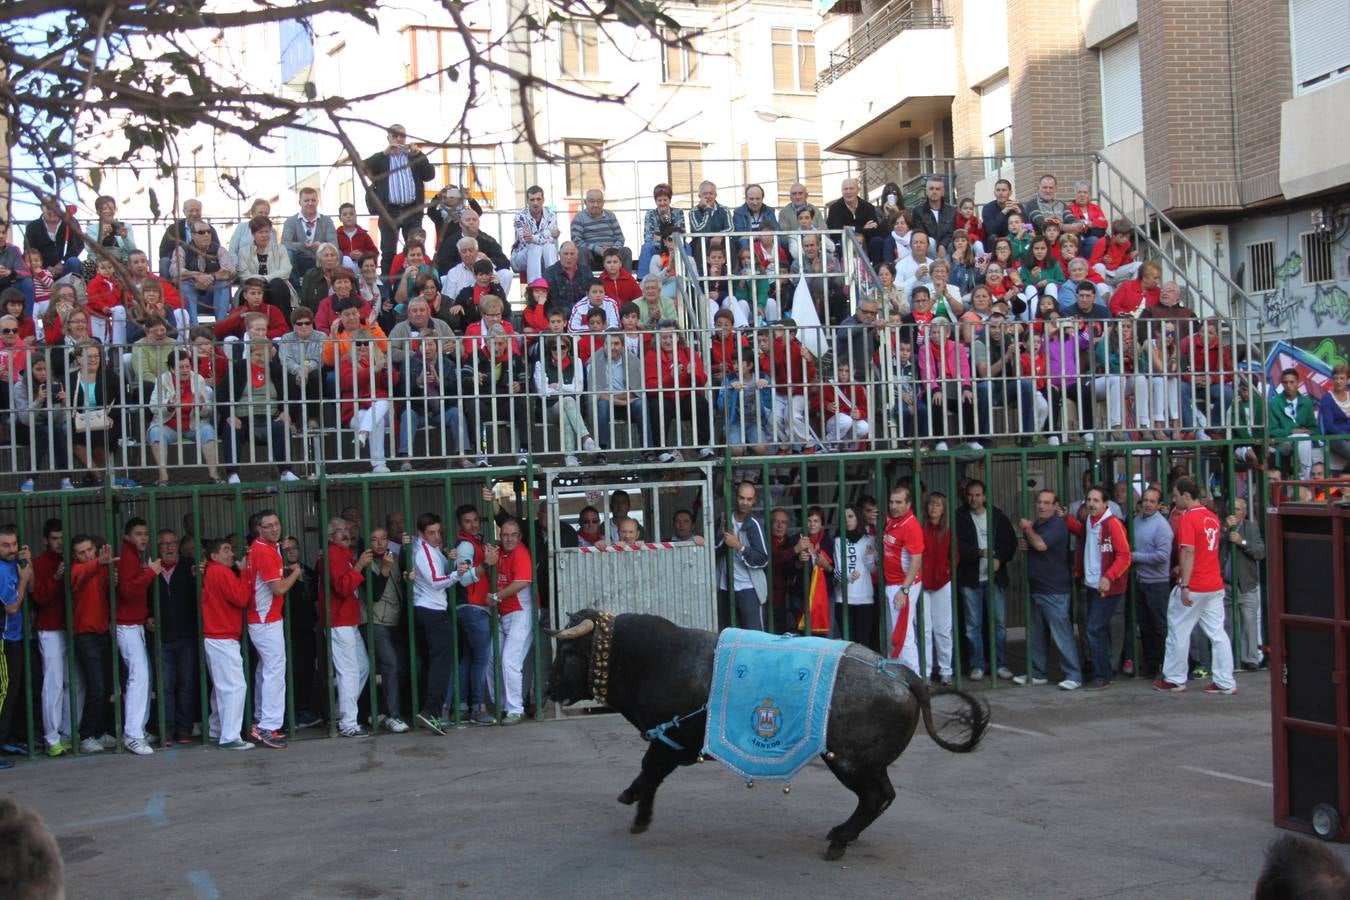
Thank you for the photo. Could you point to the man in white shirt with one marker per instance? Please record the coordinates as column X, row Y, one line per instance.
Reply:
column 913, row 269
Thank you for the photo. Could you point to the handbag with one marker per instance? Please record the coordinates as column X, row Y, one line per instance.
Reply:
column 94, row 420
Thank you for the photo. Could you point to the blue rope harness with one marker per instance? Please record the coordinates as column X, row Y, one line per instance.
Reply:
column 884, row 667
column 659, row 732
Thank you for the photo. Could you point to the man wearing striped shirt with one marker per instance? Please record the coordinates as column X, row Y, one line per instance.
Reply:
column 397, row 174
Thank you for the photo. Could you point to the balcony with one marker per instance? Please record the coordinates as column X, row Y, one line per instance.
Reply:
column 872, row 102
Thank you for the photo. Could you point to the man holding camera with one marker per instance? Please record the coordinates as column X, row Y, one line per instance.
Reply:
column 397, row 174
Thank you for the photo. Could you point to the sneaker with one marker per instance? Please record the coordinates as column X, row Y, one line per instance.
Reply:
column 974, row 445
column 512, row 719
column 138, row 746
column 27, row 486
column 522, row 457
column 1097, row 685
column 1089, row 437
column 481, row 462
column 432, row 722
column 1251, row 667
column 1068, row 684
column 571, row 461
column 1054, row 440
column 1215, row 689
column 236, row 745
column 1127, row 669
column 588, row 444
column 233, row 479
column 379, row 469
column 706, row 453
column 976, row 674
column 947, row 681
column 271, row 739
column 6, row 764
column 666, row 457
column 395, row 724
column 306, row 719
column 1161, row 684
column 125, row 483
column 483, row 717
column 1199, row 672
column 107, row 742
column 14, row 749
column 940, row 446
column 67, row 484
column 406, row 466
column 1034, row 680
column 353, row 732
column 288, row 475
column 1004, row 672
column 91, row 745
column 361, row 438
column 60, row 748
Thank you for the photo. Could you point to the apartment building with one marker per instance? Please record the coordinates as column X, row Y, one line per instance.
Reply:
column 1228, row 116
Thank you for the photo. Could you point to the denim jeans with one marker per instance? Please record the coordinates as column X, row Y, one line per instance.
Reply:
column 972, row 602
column 992, row 394
column 1053, row 610
column 635, row 414
column 415, row 414
column 475, row 626
column 1100, row 611
column 178, row 668
column 913, row 421
column 217, row 297
column 1213, row 403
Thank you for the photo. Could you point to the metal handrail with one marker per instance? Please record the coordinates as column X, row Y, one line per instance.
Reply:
column 878, row 30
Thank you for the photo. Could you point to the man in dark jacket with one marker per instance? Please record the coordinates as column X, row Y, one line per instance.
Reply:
column 52, row 236
column 986, row 547
column 567, row 280
column 935, row 215
column 397, row 174
column 1242, row 570
column 177, row 628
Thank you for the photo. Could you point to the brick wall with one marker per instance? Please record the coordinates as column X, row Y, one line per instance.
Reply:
column 1262, row 72
column 967, row 137
column 1046, row 63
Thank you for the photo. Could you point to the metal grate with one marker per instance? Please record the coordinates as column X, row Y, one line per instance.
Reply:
column 1261, row 263
column 1317, row 267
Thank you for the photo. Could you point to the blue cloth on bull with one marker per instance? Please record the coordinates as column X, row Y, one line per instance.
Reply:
column 770, row 701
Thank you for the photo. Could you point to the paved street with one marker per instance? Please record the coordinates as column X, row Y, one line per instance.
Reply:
column 1072, row 795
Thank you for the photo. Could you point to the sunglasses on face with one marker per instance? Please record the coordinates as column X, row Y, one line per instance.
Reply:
column 9, row 331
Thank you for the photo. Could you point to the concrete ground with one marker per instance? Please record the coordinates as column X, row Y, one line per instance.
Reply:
column 1126, row 794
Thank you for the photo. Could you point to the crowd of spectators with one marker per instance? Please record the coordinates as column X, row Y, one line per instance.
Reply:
column 1034, row 321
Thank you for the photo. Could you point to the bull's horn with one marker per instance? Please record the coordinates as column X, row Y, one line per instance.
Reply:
column 581, row 629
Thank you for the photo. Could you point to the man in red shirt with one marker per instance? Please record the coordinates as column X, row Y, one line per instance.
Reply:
column 514, row 602
column 49, row 596
column 676, row 381
column 340, row 594
column 89, row 572
column 1138, row 294
column 265, row 628
column 224, row 595
column 901, row 569
column 133, row 582
column 1198, row 596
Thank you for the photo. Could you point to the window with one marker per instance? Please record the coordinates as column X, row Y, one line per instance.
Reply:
column 684, row 170
column 1122, row 103
column 996, row 124
column 1319, row 41
column 797, row 161
column 474, row 174
column 679, row 61
column 429, row 53
column 580, row 49
column 794, row 60
column 1317, row 268
column 745, row 165
column 1261, row 263
column 585, row 166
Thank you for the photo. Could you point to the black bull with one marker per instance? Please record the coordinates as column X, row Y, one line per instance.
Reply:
column 659, row 671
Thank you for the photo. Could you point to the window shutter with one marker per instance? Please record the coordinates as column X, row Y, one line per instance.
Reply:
column 1122, row 104
column 995, row 106
column 783, row 78
column 685, row 165
column 1319, row 38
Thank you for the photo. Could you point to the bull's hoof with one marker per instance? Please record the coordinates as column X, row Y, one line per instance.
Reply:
column 639, row 827
column 627, row 798
column 835, row 851
column 834, row 834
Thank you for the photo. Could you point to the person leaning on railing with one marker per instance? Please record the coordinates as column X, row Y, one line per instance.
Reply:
column 95, row 425
column 248, row 403
column 428, row 390
column 182, row 410
column 40, row 422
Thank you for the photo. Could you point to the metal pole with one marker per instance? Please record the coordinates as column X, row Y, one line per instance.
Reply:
column 205, row 708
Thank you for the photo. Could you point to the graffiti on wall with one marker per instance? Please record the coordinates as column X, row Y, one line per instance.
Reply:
column 1288, row 307
column 1330, row 305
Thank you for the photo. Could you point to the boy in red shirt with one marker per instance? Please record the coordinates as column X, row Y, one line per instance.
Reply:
column 265, row 629
column 89, row 572
column 224, row 596
column 515, row 604
column 619, row 282
column 902, row 549
column 339, row 593
column 1198, row 597
column 133, row 581
column 843, row 405
column 49, row 597
column 107, row 305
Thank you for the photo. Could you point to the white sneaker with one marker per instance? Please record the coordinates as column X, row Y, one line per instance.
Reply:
column 1201, row 434
column 67, row 484
column 588, row 444
column 940, row 446
column 138, row 746
column 407, row 466
column 1054, row 440
column 379, row 469
column 482, row 462
column 706, row 453
column 91, row 745
column 396, row 725
column 288, row 475
column 1004, row 672
column 107, row 741
column 666, row 457
column 976, row 674
column 27, row 486
column 233, row 479
column 1089, row 438
column 361, row 437
column 1068, row 684
column 1022, row 679
column 571, row 461
column 974, row 445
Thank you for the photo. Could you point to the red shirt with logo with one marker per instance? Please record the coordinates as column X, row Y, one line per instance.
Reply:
column 264, row 560
column 514, row 566
column 1199, row 529
column 903, row 540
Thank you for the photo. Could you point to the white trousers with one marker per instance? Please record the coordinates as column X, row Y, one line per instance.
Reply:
column 847, row 429
column 55, row 690
column 112, row 330
column 936, row 615
column 1157, row 399
column 790, row 420
column 351, row 666
column 909, row 651
column 1113, row 388
column 1206, row 609
column 534, row 258
column 515, row 638
column 136, row 701
column 374, row 419
column 269, row 688
column 228, row 688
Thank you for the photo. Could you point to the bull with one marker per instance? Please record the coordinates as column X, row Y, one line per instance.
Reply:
column 654, row 672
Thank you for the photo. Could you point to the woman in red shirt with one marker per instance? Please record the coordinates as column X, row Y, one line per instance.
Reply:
column 968, row 220
column 935, row 606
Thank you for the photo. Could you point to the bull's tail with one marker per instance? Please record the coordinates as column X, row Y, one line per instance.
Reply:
column 969, row 723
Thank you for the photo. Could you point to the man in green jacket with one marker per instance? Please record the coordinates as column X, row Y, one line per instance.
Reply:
column 1293, row 414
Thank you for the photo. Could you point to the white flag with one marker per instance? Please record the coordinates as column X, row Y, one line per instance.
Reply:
column 809, row 332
